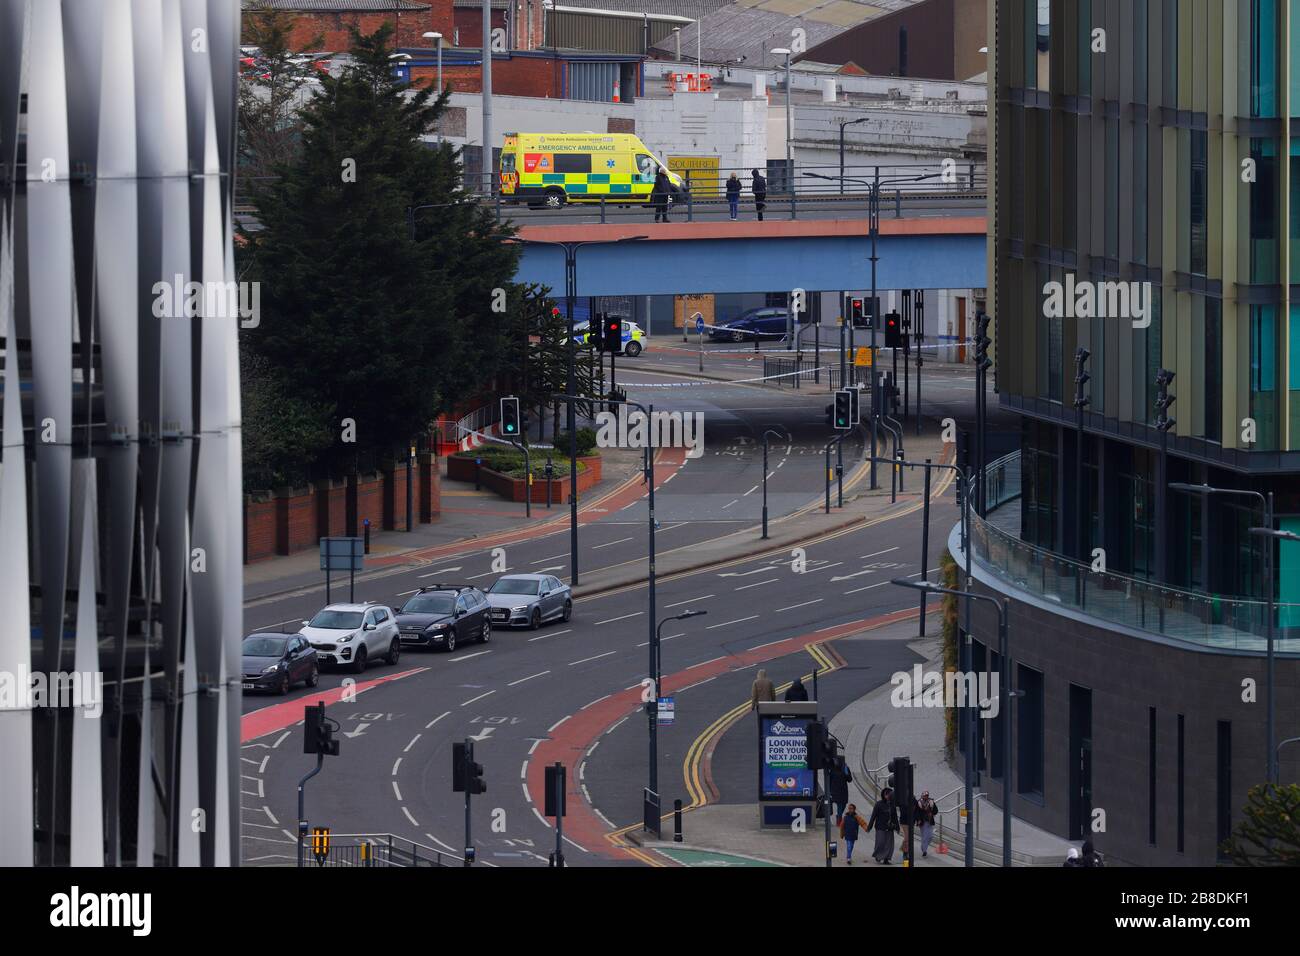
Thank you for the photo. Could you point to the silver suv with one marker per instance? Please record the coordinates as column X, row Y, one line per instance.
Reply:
column 350, row 635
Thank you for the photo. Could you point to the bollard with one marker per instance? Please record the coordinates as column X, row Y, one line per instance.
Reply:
column 366, row 525
column 478, row 464
column 677, row 821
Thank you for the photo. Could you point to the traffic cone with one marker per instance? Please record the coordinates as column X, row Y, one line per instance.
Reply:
column 616, row 91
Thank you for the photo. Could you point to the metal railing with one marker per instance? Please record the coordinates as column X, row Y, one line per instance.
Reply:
column 1219, row 621
column 378, row 849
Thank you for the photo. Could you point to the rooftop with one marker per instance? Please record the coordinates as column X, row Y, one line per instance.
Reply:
column 334, row 6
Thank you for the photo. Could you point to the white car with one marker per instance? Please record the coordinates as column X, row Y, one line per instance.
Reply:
column 351, row 635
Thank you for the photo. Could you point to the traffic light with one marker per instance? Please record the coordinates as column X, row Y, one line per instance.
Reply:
column 613, row 334
column 817, row 740
column 466, row 775
column 893, row 331
column 555, row 784
column 982, row 341
column 900, row 781
column 1081, row 377
column 510, row 417
column 843, row 410
column 1164, row 378
column 856, row 311
column 318, row 733
column 856, row 394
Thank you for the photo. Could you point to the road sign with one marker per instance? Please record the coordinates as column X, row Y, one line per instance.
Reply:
column 342, row 554
column 699, row 324
column 665, row 710
column 863, row 358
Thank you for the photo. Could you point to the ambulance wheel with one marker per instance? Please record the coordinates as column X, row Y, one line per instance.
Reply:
column 554, row 198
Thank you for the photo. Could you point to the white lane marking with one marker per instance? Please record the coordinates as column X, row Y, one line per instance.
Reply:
column 248, row 759
column 845, row 624
column 260, row 826
column 542, row 637
column 758, row 584
column 486, row 573
column 623, row 618
column 533, row 747
column 528, row 796
column 578, row 845
column 465, row 657
column 596, row 658
column 876, row 554
column 281, row 739
column 867, row 588
column 265, row 760
column 396, row 792
column 407, row 748
column 403, row 593
column 440, row 571
column 804, row 604
column 479, row 697
column 699, row 683
column 609, row 544
column 614, row 727
column 730, row 503
column 702, row 663
column 551, row 729
column 668, row 479
column 523, row 770
column 414, row 822
column 436, row 719
column 582, row 775
column 593, row 747
column 522, row 679
column 605, row 818
column 458, row 854
column 780, row 463
column 596, row 701
column 750, row 492
column 692, row 600
column 270, row 814
column 545, row 822
column 768, row 644
column 738, row 620
column 397, row 763
column 824, row 567
column 551, row 558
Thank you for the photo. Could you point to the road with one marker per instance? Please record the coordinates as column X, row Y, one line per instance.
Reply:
column 526, row 695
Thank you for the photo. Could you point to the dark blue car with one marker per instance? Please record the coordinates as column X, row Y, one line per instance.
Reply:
column 769, row 325
column 276, row 662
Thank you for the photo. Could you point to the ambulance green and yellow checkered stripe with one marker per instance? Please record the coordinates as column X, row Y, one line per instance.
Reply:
column 579, row 183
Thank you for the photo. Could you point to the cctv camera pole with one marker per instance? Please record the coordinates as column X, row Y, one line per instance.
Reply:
column 873, row 207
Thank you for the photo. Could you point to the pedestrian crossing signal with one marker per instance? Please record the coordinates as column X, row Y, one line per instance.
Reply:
column 843, row 410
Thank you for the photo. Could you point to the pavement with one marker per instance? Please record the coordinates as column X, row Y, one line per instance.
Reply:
column 873, row 729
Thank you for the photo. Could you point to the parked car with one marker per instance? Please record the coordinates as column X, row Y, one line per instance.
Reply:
column 278, row 661
column 349, row 635
column 768, row 324
column 529, row 600
column 633, row 336
column 444, row 615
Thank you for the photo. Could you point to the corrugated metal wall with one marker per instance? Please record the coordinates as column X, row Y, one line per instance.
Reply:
column 566, row 30
column 592, row 81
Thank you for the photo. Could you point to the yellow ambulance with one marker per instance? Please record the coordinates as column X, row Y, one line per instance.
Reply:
column 550, row 169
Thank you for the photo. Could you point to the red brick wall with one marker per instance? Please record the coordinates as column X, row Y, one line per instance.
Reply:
column 469, row 25
column 370, row 502
column 259, row 529
column 333, row 27
column 511, row 76
column 395, row 498
column 429, row 489
column 295, row 521
column 512, row 489
column 332, row 508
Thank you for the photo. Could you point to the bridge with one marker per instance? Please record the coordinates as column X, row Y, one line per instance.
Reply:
column 818, row 255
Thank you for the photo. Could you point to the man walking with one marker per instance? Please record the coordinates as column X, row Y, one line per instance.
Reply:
column 884, row 820
column 926, row 814
column 761, row 690
column 759, row 188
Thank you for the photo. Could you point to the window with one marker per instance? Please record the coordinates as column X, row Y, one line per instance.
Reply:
column 1223, row 780
column 1263, row 375
column 1263, row 57
column 462, row 605
column 573, row 162
column 1199, row 202
column 647, row 166
column 1213, row 370
column 1151, row 776
column 381, row 616
column 1264, row 197
column 1029, row 718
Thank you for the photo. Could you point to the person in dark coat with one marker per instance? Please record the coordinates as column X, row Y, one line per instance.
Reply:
column 759, row 188
column 840, row 779
column 659, row 196
column 884, row 820
column 1090, row 856
column 796, row 691
column 850, row 827
column 733, row 195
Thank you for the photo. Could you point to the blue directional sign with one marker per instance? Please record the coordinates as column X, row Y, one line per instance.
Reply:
column 699, row 324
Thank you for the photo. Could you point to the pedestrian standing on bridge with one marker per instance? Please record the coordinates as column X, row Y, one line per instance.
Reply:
column 759, row 188
column 733, row 195
column 763, row 689
column 659, row 196
column 884, row 820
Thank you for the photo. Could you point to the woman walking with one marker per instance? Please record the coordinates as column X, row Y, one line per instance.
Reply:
column 884, row 820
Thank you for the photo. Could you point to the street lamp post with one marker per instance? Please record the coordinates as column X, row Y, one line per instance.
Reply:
column 437, row 38
column 1266, row 502
column 789, row 129
column 1004, row 695
column 844, row 123
column 765, row 434
column 487, row 98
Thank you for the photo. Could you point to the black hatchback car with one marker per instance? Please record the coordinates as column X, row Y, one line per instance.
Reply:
column 278, row 661
column 768, row 325
column 444, row 616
